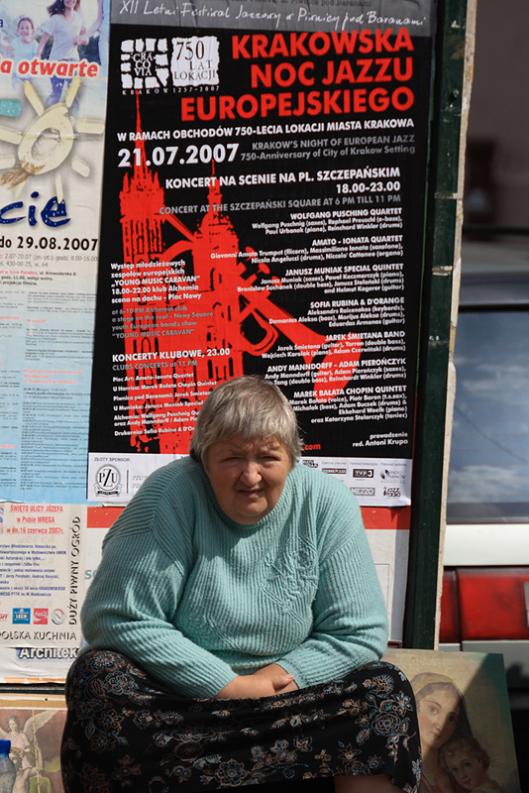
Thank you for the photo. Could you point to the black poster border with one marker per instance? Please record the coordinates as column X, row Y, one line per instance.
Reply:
column 339, row 444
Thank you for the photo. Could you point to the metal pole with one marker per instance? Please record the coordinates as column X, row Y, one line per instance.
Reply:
column 452, row 59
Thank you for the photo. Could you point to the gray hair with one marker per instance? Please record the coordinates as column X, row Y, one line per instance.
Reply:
column 250, row 407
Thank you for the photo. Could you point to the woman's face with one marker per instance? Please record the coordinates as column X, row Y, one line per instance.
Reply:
column 70, row 4
column 247, row 477
column 438, row 712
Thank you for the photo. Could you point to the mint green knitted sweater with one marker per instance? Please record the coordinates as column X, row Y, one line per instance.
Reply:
column 196, row 599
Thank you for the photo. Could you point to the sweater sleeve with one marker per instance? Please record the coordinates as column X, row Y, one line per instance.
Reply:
column 130, row 607
column 349, row 614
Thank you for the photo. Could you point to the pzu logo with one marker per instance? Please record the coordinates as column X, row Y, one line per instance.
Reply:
column 107, row 480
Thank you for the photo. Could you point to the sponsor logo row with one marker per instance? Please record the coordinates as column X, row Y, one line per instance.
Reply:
column 388, row 492
column 34, row 616
column 386, row 474
column 368, row 481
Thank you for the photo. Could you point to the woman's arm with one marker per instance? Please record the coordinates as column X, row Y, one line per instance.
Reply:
column 42, row 43
column 350, row 622
column 96, row 24
column 82, row 38
column 130, row 608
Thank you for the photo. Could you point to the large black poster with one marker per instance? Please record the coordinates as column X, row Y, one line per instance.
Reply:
column 265, row 175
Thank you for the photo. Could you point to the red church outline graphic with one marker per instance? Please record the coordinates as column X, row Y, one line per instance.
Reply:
column 184, row 332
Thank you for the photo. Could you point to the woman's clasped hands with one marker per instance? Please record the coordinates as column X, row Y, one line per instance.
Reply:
column 265, row 682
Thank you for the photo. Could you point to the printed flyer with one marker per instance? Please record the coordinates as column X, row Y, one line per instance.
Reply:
column 41, row 567
column 53, row 70
column 267, row 166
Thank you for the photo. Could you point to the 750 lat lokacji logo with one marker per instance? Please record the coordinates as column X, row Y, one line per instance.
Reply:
column 162, row 64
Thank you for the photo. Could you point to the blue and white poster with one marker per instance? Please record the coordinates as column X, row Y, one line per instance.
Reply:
column 53, row 75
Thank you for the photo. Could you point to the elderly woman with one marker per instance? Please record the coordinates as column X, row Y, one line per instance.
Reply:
column 235, row 626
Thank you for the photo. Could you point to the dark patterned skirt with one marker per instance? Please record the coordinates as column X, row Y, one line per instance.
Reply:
column 124, row 732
